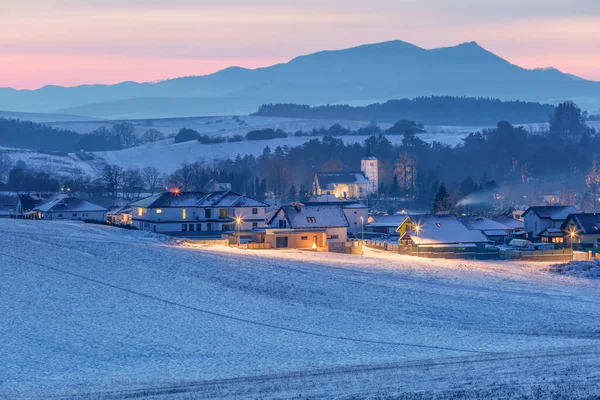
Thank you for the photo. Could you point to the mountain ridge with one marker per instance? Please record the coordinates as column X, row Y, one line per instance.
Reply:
column 370, row 72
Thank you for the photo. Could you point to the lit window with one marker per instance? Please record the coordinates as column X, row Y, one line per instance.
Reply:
column 184, row 214
column 311, row 219
column 140, row 212
column 438, row 225
column 223, row 213
column 159, row 211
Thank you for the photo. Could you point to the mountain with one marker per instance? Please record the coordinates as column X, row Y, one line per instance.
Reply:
column 368, row 73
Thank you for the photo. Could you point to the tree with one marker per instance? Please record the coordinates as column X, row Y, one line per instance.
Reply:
column 152, row 178
column 126, row 134
column 186, row 135
column 113, row 176
column 405, row 126
column 568, row 123
column 468, row 186
column 5, row 166
column 292, row 193
column 441, row 201
column 593, row 180
column 133, row 182
column 395, row 188
column 153, row 135
column 406, row 171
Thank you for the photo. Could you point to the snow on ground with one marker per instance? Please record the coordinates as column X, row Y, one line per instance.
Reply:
column 582, row 269
column 99, row 312
column 54, row 163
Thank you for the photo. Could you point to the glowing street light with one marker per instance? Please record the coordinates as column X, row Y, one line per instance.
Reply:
column 572, row 233
column 238, row 222
column 362, row 227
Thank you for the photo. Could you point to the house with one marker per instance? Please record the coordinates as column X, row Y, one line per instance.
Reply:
column 307, row 226
column 585, row 228
column 198, row 214
column 10, row 205
column 214, row 186
column 497, row 230
column 120, row 215
column 385, row 224
column 537, row 219
column 356, row 213
column 70, row 208
column 350, row 185
column 439, row 231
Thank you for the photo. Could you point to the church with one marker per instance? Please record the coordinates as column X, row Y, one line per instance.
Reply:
column 349, row 184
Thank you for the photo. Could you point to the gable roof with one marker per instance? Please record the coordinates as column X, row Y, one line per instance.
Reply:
column 483, row 224
column 509, row 222
column 328, row 179
column 443, row 229
column 9, row 203
column 587, row 224
column 29, row 201
column 393, row 221
column 170, row 199
column 197, row 199
column 555, row 213
column 68, row 204
column 300, row 216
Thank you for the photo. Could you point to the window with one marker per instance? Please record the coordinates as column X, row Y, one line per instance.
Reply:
column 184, row 227
column 192, row 227
column 557, row 240
column 184, row 214
column 225, row 227
column 209, row 226
column 223, row 213
column 140, row 212
column 207, row 213
column 255, row 211
column 198, row 227
column 59, row 215
column 159, row 210
column 254, row 225
column 545, row 239
column 311, row 219
column 75, row 214
column 334, row 237
column 282, row 223
column 304, row 238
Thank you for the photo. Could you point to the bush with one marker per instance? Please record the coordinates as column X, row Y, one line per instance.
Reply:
column 205, row 139
column 264, row 134
column 236, row 138
column 186, row 135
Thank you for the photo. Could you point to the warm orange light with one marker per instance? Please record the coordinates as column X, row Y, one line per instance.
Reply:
column 314, row 246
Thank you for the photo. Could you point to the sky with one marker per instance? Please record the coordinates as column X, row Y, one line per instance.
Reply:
column 71, row 42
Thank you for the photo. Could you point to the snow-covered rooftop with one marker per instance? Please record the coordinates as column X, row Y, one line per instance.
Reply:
column 301, row 216
column 328, row 179
column 556, row 213
column 443, row 229
column 69, row 204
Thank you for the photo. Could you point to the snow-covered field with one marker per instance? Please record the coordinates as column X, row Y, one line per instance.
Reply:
column 584, row 269
column 63, row 165
column 98, row 312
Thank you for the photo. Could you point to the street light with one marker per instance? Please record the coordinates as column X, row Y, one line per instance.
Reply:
column 362, row 227
column 572, row 235
column 418, row 229
column 238, row 222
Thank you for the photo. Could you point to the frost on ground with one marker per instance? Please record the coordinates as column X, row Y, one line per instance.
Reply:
column 582, row 269
column 91, row 311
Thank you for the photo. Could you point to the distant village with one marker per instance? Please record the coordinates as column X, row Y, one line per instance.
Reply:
column 340, row 216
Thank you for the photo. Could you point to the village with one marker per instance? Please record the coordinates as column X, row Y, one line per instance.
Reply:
column 336, row 218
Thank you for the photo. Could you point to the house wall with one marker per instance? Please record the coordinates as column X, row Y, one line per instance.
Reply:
column 99, row 216
column 353, row 216
column 337, row 235
column 295, row 240
column 536, row 225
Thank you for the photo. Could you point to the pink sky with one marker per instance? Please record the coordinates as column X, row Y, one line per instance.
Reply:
column 70, row 42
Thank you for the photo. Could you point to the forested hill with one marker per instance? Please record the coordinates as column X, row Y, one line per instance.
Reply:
column 437, row 110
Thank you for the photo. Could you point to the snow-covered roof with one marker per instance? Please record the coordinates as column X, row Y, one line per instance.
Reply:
column 9, row 199
column 555, row 213
column 300, row 216
column 393, row 221
column 510, row 222
column 552, row 232
column 68, row 204
column 327, row 180
column 343, row 204
column 170, row 200
column 482, row 224
column 586, row 223
column 119, row 210
column 441, row 229
column 197, row 199
column 495, row 233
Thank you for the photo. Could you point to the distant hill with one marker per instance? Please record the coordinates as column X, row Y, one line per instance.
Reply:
column 458, row 111
column 359, row 75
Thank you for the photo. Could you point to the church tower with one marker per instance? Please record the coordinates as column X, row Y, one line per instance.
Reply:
column 369, row 165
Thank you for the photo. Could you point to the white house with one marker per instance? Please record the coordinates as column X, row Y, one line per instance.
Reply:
column 194, row 214
column 10, row 205
column 120, row 215
column 307, row 226
column 497, row 230
column 541, row 218
column 439, row 231
column 349, row 185
column 71, row 208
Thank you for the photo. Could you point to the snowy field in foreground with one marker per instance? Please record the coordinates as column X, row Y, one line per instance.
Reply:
column 93, row 311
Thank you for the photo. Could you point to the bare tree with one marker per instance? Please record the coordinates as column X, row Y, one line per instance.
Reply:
column 182, row 178
column 153, row 135
column 126, row 133
column 133, row 182
column 113, row 176
column 152, row 178
column 6, row 165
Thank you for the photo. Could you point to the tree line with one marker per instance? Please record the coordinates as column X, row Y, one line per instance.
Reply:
column 435, row 110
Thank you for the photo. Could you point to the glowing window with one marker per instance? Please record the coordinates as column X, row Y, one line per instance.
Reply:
column 140, row 212
column 159, row 211
column 184, row 214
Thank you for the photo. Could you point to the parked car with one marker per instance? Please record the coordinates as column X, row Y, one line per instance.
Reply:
column 521, row 244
